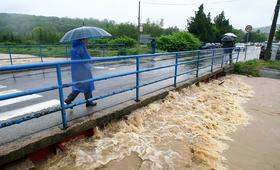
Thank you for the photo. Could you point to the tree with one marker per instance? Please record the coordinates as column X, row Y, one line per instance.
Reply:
column 170, row 30
column 153, row 29
column 240, row 35
column 201, row 26
column 256, row 36
column 180, row 41
column 123, row 29
column 222, row 25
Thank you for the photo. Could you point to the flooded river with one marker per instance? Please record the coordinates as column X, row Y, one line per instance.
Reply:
column 186, row 130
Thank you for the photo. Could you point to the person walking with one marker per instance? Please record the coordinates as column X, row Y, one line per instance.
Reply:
column 228, row 43
column 81, row 72
column 153, row 46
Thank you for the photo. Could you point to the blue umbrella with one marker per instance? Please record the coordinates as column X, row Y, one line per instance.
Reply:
column 84, row 32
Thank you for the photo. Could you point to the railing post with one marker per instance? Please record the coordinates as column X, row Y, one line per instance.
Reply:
column 137, row 78
column 238, row 51
column 245, row 53
column 10, row 55
column 197, row 63
column 212, row 61
column 61, row 96
column 41, row 53
column 176, row 69
column 223, row 55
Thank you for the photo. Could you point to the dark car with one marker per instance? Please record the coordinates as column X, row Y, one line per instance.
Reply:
column 274, row 47
column 208, row 46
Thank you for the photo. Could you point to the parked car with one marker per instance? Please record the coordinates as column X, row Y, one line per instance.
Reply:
column 208, row 46
column 277, row 49
column 239, row 46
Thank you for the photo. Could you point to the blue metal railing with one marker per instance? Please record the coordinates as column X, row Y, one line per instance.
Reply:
column 57, row 51
column 211, row 55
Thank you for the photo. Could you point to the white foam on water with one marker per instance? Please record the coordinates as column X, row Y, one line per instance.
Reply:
column 186, row 130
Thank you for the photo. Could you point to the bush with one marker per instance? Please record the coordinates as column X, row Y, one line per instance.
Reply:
column 122, row 51
column 128, row 42
column 181, row 41
column 8, row 43
column 247, row 68
column 100, row 41
column 252, row 67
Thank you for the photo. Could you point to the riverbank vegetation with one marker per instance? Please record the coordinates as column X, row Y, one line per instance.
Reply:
column 252, row 67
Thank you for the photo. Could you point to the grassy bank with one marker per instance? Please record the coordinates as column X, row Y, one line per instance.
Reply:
column 252, row 67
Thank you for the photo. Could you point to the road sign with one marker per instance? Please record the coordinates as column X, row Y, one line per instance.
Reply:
column 248, row 28
column 145, row 38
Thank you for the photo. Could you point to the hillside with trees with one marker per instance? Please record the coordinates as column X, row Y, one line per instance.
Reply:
column 31, row 29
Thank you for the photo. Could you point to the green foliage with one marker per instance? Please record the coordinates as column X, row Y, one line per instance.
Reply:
column 240, row 34
column 180, row 41
column 256, row 36
column 100, row 41
column 30, row 29
column 277, row 34
column 201, row 26
column 251, row 67
column 222, row 25
column 247, row 68
column 8, row 43
column 129, row 42
column 123, row 29
column 122, row 51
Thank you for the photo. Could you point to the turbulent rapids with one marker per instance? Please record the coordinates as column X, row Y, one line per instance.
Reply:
column 186, row 130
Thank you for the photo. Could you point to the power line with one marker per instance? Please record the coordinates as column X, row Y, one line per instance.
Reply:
column 187, row 4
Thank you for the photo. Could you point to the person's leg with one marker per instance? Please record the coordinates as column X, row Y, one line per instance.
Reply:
column 88, row 95
column 71, row 97
column 230, row 58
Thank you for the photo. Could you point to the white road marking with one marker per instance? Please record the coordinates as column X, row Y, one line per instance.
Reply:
column 1, row 87
column 9, row 92
column 29, row 109
column 112, row 68
column 99, row 67
column 18, row 99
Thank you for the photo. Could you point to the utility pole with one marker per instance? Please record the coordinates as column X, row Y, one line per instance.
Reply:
column 272, row 31
column 139, row 7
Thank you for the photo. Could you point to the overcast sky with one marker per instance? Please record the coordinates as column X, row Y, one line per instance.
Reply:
column 240, row 12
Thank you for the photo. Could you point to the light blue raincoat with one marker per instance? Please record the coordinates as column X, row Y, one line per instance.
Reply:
column 81, row 71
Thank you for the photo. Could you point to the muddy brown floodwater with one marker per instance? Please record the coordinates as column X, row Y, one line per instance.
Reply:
column 186, row 130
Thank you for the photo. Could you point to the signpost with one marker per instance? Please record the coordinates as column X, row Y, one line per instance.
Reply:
column 145, row 38
column 248, row 29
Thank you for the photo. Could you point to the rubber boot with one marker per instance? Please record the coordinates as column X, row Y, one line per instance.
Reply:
column 71, row 97
column 89, row 103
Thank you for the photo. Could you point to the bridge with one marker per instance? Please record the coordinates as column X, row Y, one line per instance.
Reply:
column 34, row 115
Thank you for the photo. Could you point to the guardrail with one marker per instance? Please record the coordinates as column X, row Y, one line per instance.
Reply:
column 40, row 51
column 211, row 56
